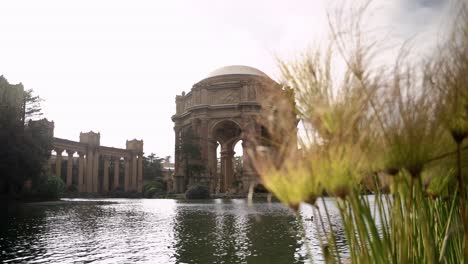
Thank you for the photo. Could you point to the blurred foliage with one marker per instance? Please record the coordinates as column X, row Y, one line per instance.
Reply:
column 399, row 126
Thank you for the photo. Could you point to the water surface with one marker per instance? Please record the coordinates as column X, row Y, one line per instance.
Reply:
column 159, row 231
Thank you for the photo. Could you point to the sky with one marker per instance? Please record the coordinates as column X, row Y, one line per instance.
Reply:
column 115, row 66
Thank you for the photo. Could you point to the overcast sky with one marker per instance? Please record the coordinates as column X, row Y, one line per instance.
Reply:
column 116, row 66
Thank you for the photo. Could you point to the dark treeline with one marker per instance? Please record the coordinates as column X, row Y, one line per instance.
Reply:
column 25, row 145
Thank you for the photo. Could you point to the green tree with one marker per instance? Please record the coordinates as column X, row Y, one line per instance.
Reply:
column 31, row 106
column 152, row 167
column 25, row 147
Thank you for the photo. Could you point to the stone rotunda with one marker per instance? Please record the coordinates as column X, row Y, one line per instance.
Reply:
column 219, row 111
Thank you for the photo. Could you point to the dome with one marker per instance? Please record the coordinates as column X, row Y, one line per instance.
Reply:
column 236, row 69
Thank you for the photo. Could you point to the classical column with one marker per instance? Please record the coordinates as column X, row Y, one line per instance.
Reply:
column 248, row 173
column 140, row 173
column 226, row 169
column 58, row 162
column 176, row 153
column 245, row 92
column 134, row 173
column 89, row 171
column 213, row 165
column 96, row 172
column 80, row 172
column 70, row 167
column 105, row 181
column 127, row 174
column 116, row 172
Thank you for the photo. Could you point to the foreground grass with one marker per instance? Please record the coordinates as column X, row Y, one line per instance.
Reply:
column 400, row 127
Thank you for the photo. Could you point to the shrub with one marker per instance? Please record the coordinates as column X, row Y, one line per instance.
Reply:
column 52, row 187
column 154, row 187
column 197, row 192
column 149, row 193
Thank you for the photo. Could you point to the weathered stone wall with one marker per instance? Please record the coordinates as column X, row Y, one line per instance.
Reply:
column 214, row 104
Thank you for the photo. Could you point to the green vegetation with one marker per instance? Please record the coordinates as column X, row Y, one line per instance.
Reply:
column 152, row 167
column 155, row 188
column 197, row 192
column 155, row 185
column 51, row 188
column 25, row 144
column 401, row 126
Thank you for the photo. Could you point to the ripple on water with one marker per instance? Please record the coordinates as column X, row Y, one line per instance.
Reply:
column 158, row 231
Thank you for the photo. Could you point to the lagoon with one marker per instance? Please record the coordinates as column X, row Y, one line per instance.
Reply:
column 160, row 231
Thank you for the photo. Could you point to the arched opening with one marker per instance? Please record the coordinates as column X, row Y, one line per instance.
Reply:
column 226, row 133
column 218, row 158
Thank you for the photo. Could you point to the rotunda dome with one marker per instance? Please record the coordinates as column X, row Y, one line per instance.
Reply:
column 236, row 69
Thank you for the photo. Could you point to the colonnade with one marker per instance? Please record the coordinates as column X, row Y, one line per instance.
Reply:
column 88, row 164
column 100, row 169
column 227, row 176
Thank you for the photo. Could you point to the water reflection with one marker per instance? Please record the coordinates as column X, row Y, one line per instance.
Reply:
column 228, row 231
column 160, row 231
column 25, row 239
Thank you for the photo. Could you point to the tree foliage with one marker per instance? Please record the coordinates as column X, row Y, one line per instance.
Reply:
column 152, row 167
column 31, row 106
column 25, row 147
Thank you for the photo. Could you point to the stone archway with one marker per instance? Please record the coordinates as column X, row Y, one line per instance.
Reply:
column 227, row 133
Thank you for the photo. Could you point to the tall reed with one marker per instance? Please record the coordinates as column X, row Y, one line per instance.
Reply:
column 401, row 127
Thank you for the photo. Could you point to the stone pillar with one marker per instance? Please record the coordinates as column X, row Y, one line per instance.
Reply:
column 70, row 167
column 245, row 92
column 213, row 165
column 204, row 145
column 116, row 172
column 105, row 183
column 226, row 169
column 96, row 172
column 176, row 153
column 248, row 174
column 58, row 162
column 89, row 171
column 81, row 186
column 127, row 174
column 140, row 173
column 134, row 173
column 204, row 95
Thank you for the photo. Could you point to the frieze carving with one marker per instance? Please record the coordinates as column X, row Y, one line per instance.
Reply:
column 225, row 96
column 251, row 92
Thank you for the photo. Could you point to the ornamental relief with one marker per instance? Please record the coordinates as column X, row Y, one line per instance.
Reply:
column 197, row 97
column 188, row 102
column 252, row 92
column 225, row 96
